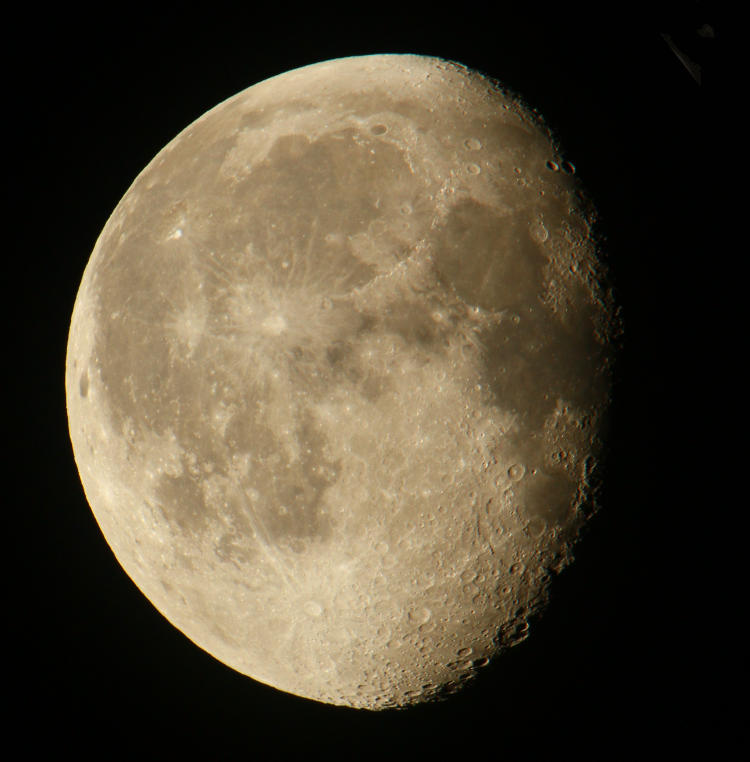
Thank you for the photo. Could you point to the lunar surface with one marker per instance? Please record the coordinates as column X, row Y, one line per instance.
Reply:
column 336, row 376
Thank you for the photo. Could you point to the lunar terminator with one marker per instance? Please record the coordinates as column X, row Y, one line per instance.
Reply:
column 336, row 375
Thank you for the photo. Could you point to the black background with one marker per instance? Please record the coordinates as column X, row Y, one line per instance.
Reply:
column 625, row 657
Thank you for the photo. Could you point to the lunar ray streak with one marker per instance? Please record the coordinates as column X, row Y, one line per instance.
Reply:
column 211, row 264
column 308, row 253
column 267, row 547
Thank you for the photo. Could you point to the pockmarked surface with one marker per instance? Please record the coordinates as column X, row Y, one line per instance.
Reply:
column 336, row 375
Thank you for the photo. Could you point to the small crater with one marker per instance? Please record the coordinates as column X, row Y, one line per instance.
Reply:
column 426, row 628
column 274, row 325
column 472, row 144
column 568, row 168
column 539, row 232
column 536, row 526
column 83, row 384
column 553, row 166
column 313, row 608
column 516, row 472
column 473, row 169
column 378, row 129
column 464, row 652
column 420, row 615
column 406, row 209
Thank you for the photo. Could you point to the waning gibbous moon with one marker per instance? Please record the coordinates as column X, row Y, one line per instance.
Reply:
column 336, row 376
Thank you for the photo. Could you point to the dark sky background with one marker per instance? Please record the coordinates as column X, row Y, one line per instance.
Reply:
column 626, row 655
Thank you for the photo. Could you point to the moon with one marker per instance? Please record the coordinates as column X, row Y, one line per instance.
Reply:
column 337, row 374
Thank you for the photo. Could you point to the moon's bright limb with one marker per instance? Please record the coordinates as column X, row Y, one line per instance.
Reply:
column 335, row 376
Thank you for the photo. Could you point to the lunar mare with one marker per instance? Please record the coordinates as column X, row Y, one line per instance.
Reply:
column 336, row 374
